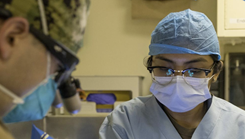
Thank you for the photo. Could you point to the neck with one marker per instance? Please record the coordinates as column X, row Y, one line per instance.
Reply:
column 190, row 119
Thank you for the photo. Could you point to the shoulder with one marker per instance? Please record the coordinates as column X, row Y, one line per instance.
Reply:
column 135, row 105
column 120, row 121
column 229, row 108
column 131, row 108
column 228, row 118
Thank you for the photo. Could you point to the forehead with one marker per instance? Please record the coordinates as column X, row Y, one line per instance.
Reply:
column 183, row 58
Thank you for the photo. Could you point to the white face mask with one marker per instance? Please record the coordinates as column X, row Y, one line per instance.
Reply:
column 19, row 100
column 179, row 96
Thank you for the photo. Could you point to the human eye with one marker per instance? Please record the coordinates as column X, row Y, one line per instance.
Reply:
column 163, row 71
column 195, row 73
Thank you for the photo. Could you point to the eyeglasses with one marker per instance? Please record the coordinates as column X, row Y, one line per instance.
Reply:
column 187, row 74
column 66, row 57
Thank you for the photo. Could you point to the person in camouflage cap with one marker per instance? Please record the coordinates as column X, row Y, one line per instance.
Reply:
column 38, row 38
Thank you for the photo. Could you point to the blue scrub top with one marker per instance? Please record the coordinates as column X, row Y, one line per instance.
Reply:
column 143, row 118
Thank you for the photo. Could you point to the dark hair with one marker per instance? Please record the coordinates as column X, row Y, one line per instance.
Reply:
column 217, row 67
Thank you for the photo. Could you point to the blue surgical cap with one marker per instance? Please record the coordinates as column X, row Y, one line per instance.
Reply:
column 185, row 32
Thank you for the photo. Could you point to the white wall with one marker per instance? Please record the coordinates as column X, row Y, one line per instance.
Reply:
column 115, row 44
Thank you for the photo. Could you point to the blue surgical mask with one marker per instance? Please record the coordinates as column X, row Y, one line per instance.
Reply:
column 36, row 104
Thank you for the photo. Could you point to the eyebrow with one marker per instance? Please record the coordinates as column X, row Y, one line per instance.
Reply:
column 188, row 62
column 164, row 59
column 196, row 60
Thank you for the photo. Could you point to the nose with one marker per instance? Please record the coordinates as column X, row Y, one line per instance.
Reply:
column 177, row 72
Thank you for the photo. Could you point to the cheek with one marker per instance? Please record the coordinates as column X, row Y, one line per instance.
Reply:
column 34, row 68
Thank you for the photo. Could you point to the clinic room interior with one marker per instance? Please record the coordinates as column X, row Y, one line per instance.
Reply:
column 112, row 66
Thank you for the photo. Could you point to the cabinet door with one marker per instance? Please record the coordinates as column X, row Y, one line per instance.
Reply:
column 231, row 18
column 234, row 14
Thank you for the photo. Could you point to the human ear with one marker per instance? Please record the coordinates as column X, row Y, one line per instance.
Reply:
column 216, row 75
column 12, row 29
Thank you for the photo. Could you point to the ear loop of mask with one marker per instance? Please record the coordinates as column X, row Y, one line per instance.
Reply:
column 16, row 99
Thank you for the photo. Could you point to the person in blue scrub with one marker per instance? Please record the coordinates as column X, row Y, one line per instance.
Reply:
column 184, row 59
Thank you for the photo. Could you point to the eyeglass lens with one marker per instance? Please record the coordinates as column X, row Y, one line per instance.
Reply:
column 165, row 72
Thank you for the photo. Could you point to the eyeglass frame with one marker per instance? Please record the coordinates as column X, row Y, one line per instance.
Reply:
column 207, row 71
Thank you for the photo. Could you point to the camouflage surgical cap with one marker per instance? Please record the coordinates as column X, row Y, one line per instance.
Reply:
column 62, row 20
